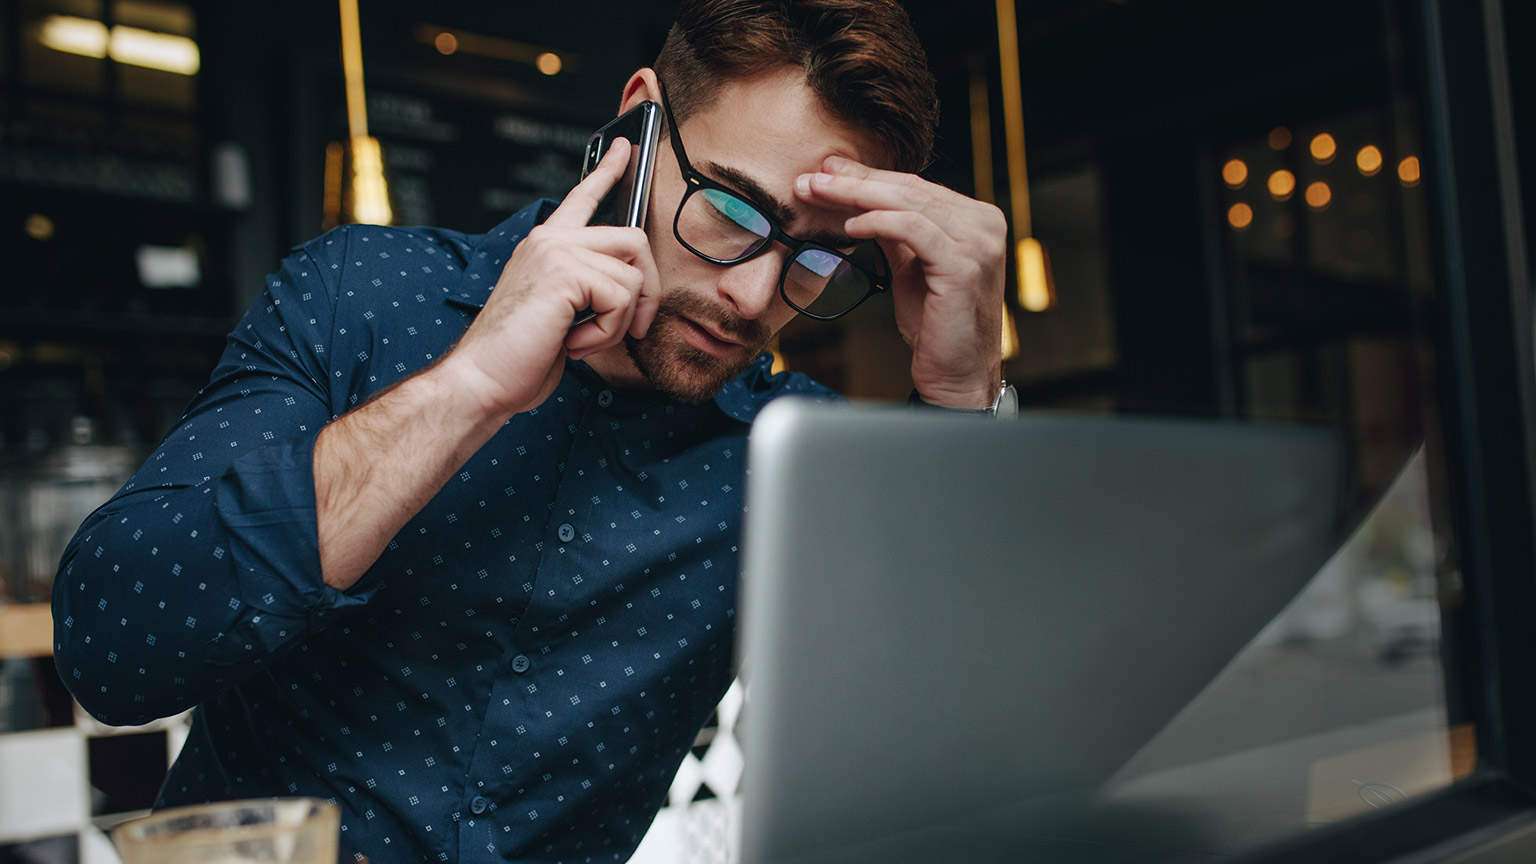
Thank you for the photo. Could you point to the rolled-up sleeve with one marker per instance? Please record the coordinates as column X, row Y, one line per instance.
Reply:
column 205, row 567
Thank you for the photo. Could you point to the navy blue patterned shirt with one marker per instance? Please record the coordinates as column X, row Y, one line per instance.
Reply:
column 523, row 669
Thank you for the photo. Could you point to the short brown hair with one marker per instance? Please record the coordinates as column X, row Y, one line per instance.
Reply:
column 861, row 57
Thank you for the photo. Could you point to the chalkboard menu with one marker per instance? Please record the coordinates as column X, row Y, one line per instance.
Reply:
column 462, row 164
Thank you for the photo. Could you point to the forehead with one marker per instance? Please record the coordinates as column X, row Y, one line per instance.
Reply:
column 773, row 128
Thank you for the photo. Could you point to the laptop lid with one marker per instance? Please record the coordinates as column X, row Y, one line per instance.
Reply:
column 943, row 613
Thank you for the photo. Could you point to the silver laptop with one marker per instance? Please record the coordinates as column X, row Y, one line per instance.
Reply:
column 944, row 615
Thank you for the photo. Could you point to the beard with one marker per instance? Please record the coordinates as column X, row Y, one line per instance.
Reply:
column 682, row 371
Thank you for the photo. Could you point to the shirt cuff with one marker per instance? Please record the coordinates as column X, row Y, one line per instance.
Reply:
column 266, row 502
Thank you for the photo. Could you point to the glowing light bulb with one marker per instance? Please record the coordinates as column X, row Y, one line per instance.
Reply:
column 1318, row 195
column 1037, row 290
column 1408, row 171
column 1323, row 148
column 1281, row 184
column 1368, row 160
column 549, row 63
column 1235, row 173
column 1240, row 216
column 38, row 227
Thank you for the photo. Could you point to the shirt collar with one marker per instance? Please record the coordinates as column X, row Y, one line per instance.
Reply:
column 485, row 256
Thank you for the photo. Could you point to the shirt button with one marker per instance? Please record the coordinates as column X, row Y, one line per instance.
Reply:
column 567, row 533
column 478, row 805
column 520, row 664
column 604, row 398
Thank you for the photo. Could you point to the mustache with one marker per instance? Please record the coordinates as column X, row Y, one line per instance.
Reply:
column 695, row 308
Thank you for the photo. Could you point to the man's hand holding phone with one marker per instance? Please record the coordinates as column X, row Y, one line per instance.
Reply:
column 514, row 353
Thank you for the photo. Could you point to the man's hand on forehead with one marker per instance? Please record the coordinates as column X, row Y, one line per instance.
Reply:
column 947, row 254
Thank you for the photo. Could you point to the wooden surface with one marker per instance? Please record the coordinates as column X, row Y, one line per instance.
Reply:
column 26, row 630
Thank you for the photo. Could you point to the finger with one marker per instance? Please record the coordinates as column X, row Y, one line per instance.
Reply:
column 577, row 208
column 620, row 271
column 932, row 246
column 626, row 244
column 608, row 288
column 958, row 215
column 845, row 167
column 649, row 299
column 610, row 325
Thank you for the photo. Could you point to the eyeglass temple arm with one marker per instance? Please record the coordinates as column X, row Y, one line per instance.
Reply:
column 683, row 164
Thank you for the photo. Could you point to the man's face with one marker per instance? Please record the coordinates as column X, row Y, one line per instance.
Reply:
column 714, row 320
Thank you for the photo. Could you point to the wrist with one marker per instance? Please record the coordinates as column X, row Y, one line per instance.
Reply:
column 976, row 390
column 1004, row 403
column 465, row 392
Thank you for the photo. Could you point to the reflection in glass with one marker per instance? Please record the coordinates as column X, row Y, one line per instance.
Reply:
column 1337, row 707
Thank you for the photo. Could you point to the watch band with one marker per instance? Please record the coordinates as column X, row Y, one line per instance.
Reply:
column 1006, row 404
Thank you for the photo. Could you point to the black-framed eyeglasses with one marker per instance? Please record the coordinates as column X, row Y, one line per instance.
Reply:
column 721, row 226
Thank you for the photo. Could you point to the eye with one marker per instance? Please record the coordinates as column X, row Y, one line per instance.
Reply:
column 737, row 211
column 819, row 262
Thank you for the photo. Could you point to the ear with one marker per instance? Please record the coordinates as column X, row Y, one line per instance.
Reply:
column 642, row 87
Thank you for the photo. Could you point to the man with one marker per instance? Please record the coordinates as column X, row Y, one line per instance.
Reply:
column 422, row 548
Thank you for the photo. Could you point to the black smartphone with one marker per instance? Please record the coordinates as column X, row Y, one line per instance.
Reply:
column 628, row 201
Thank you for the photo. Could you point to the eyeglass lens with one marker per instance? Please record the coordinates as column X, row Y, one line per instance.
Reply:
column 818, row 281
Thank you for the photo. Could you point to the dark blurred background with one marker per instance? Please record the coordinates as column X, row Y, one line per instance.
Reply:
column 1232, row 198
column 140, row 207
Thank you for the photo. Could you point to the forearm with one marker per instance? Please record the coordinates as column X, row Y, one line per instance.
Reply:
column 378, row 465
column 169, row 595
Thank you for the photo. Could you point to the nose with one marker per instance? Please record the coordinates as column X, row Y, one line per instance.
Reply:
column 751, row 288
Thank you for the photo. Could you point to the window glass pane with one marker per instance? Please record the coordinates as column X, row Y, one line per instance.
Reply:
column 1269, row 260
column 1078, row 335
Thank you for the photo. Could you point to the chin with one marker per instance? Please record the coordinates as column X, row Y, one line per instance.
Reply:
column 680, row 370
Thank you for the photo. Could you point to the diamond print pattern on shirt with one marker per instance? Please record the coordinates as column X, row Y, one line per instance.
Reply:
column 494, row 688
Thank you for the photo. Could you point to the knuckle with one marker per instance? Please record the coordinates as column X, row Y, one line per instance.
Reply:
column 993, row 244
column 997, row 223
column 973, row 273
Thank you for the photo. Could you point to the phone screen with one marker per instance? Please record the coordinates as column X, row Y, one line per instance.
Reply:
column 626, row 203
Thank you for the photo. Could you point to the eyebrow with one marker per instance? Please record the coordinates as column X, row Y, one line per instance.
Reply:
column 781, row 212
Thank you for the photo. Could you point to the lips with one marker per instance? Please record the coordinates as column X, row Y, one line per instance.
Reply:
column 705, row 339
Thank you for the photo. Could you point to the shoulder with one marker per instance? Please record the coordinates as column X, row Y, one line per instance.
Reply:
column 354, row 251
column 351, row 250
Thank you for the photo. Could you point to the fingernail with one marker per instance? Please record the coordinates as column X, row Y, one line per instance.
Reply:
column 835, row 163
column 822, row 179
column 803, row 183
